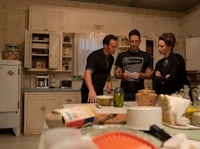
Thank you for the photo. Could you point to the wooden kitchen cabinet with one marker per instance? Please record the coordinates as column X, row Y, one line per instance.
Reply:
column 192, row 54
column 42, row 50
column 67, row 51
column 44, row 19
column 70, row 98
column 36, row 107
column 38, row 104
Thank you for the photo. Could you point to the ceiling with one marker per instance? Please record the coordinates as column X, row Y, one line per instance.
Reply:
column 165, row 5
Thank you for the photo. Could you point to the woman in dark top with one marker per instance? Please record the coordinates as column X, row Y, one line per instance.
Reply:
column 170, row 73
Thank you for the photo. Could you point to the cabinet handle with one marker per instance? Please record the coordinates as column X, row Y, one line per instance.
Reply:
column 69, row 100
column 43, row 108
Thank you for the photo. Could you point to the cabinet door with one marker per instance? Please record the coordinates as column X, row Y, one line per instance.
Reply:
column 53, row 19
column 192, row 54
column 70, row 98
column 33, row 112
column 28, row 50
column 51, row 102
column 54, row 51
column 37, row 19
column 45, row 19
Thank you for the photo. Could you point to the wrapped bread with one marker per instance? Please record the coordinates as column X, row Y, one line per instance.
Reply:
column 173, row 109
column 75, row 116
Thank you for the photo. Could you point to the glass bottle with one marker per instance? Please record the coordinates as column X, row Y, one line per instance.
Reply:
column 118, row 99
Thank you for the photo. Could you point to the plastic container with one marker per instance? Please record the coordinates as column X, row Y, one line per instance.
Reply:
column 121, row 140
column 12, row 52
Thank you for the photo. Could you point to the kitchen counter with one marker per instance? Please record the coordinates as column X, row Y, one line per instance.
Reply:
column 52, row 90
column 98, row 129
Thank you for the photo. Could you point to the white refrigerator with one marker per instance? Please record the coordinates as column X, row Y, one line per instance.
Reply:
column 10, row 95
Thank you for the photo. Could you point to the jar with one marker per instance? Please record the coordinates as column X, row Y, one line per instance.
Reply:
column 196, row 96
column 118, row 99
column 146, row 97
column 66, row 51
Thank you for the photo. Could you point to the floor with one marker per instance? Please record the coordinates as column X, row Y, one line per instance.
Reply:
column 9, row 141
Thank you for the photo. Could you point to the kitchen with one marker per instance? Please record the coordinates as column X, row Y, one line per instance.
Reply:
column 16, row 17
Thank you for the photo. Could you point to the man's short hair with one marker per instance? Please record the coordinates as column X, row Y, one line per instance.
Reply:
column 134, row 32
column 107, row 39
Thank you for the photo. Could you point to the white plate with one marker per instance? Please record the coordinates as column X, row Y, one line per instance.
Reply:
column 182, row 127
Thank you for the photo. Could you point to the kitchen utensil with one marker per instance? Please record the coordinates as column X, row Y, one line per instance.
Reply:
column 109, row 116
column 121, row 140
column 159, row 133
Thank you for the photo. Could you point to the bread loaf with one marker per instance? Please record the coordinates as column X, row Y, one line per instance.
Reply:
column 173, row 109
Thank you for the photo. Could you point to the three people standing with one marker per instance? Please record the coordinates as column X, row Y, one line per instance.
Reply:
column 132, row 67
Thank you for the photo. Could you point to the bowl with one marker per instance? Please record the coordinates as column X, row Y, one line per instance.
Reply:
column 104, row 100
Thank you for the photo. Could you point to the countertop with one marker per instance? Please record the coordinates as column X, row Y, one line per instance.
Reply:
column 97, row 129
column 52, row 90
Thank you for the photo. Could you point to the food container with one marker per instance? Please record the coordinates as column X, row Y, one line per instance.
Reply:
column 118, row 100
column 146, row 97
column 12, row 52
column 104, row 100
column 142, row 117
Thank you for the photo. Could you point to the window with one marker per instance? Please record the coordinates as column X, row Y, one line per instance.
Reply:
column 85, row 43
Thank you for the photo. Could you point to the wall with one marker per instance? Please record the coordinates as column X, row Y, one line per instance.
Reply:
column 151, row 23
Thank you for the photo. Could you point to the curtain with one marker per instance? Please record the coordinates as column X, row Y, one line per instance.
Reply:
column 84, row 44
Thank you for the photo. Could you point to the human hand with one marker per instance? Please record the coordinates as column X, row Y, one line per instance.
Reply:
column 167, row 76
column 137, row 75
column 109, row 87
column 92, row 97
column 133, row 75
column 158, row 74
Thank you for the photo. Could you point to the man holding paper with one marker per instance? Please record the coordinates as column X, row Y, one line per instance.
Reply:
column 133, row 66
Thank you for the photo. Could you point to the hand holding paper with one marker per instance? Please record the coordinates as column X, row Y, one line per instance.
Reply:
column 132, row 74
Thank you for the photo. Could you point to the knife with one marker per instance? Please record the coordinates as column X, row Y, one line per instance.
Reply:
column 158, row 133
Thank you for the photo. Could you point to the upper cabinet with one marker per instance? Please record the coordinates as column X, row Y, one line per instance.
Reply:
column 192, row 54
column 90, row 20
column 44, row 19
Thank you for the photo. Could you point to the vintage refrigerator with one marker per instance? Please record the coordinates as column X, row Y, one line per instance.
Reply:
column 10, row 95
